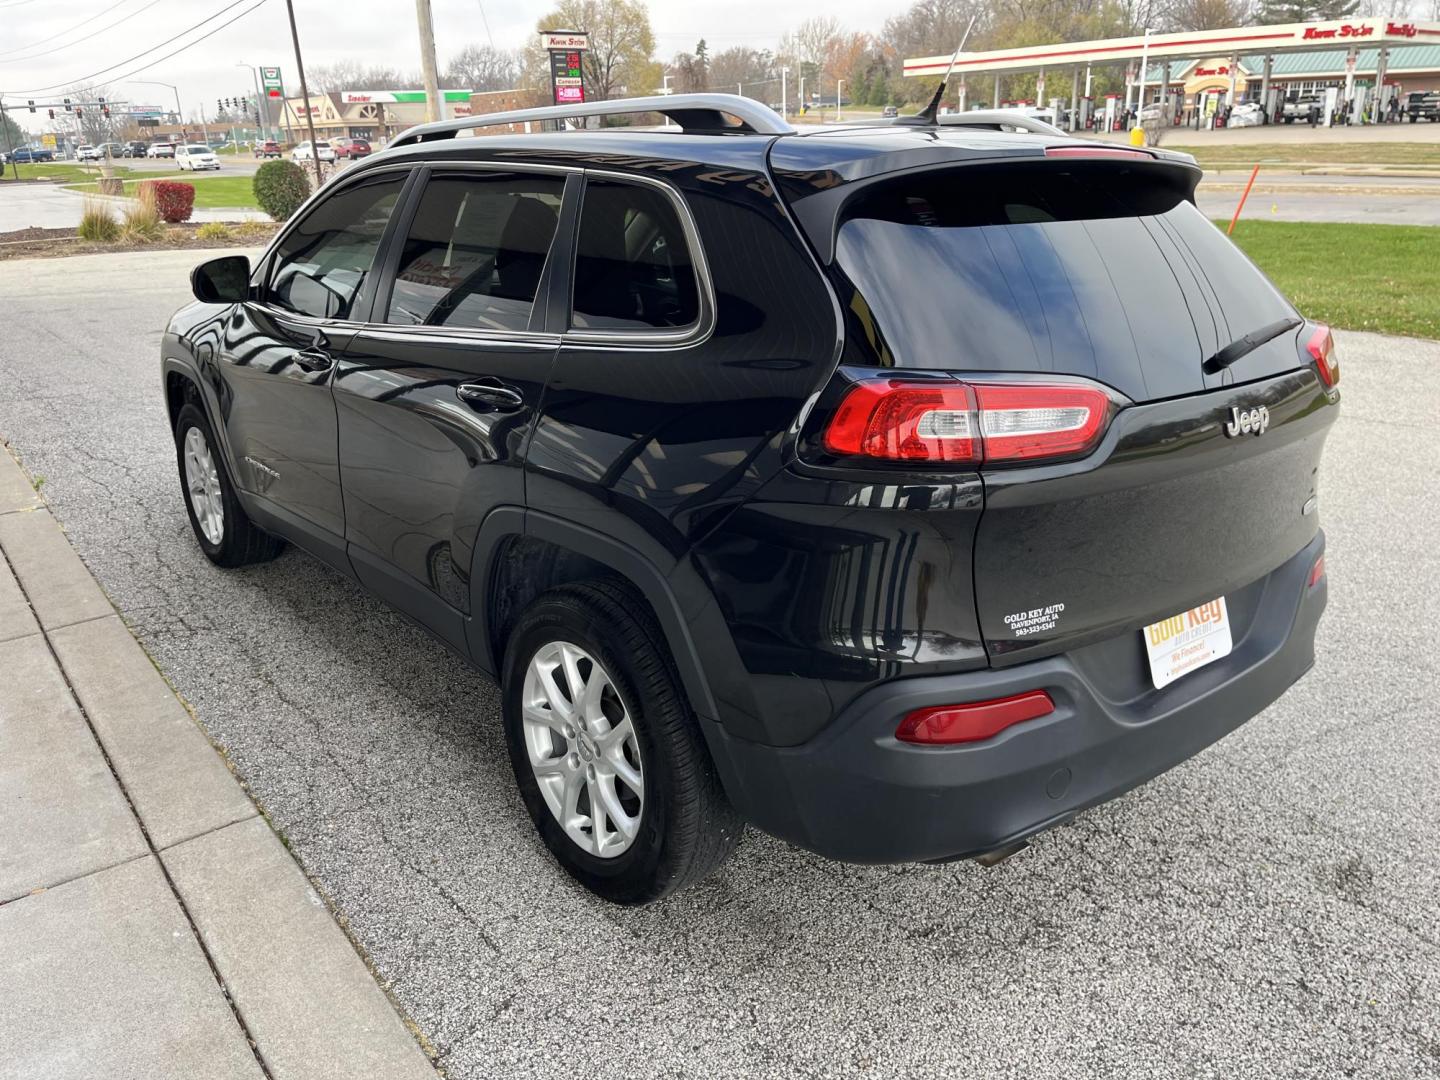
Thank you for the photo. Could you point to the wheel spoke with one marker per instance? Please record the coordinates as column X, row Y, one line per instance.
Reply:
column 548, row 717
column 558, row 702
column 623, row 822
column 625, row 771
column 598, row 813
column 570, row 658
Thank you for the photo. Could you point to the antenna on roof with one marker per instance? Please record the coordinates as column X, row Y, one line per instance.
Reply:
column 927, row 115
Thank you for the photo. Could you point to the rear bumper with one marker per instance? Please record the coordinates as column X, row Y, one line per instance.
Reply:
column 857, row 794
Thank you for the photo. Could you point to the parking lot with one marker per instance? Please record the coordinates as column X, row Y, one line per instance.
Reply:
column 1269, row 908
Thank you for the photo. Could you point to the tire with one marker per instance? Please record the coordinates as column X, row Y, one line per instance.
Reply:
column 683, row 827
column 237, row 541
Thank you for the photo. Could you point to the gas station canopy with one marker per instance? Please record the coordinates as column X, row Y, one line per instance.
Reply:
column 1193, row 44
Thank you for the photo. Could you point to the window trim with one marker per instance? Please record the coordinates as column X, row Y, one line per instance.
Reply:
column 260, row 276
column 693, row 334
column 395, row 246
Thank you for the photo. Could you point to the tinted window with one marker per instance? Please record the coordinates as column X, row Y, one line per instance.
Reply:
column 476, row 250
column 324, row 260
column 633, row 266
column 1092, row 271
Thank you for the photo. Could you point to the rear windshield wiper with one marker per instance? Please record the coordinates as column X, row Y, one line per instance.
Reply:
column 1248, row 344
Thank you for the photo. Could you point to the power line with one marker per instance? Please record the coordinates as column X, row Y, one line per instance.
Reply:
column 62, row 33
column 152, row 48
column 87, row 37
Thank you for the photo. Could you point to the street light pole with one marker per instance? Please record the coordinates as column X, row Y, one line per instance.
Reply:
column 839, row 83
column 260, row 101
column 179, row 116
column 784, row 111
column 1144, row 60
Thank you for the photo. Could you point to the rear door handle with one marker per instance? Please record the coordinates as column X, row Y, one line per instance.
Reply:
column 492, row 395
column 313, row 360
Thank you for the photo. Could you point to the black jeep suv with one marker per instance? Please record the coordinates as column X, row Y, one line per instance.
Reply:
column 902, row 490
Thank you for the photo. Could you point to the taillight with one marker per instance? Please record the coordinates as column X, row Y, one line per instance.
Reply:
column 1322, row 347
column 943, row 725
column 950, row 421
column 1096, row 152
column 1316, row 572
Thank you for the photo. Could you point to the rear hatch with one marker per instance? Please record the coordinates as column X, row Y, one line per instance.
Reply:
column 1102, row 269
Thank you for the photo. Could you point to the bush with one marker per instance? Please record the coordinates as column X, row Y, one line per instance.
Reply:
column 280, row 187
column 173, row 200
column 97, row 221
column 254, row 230
column 142, row 223
column 213, row 230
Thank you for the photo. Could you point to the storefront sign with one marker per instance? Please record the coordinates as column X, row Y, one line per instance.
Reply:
column 567, row 74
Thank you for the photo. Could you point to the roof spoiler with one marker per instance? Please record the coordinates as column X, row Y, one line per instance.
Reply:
column 695, row 113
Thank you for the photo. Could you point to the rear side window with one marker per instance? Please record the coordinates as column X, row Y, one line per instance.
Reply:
column 476, row 250
column 1097, row 271
column 633, row 266
column 323, row 262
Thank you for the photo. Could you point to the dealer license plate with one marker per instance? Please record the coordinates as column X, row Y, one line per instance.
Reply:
column 1182, row 643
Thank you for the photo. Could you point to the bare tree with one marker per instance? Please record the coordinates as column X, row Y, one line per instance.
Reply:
column 1207, row 14
column 482, row 68
column 90, row 124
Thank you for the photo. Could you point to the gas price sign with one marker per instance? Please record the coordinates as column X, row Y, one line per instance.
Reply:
column 567, row 77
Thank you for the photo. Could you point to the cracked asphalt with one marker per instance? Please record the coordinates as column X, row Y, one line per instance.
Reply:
column 1271, row 908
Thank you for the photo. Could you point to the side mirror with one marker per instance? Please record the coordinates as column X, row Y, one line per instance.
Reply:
column 225, row 280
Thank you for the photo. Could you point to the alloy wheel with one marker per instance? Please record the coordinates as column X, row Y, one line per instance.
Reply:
column 583, row 749
column 202, row 482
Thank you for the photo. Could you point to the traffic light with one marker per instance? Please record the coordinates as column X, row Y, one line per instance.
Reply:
column 104, row 109
column 52, row 114
column 79, row 110
column 32, row 106
column 67, row 105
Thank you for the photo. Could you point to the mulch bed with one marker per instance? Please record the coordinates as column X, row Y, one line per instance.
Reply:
column 36, row 243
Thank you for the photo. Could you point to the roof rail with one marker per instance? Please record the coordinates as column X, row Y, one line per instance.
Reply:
column 693, row 112
column 995, row 119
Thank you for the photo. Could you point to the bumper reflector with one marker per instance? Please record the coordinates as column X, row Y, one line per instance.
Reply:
column 1316, row 572
column 942, row 725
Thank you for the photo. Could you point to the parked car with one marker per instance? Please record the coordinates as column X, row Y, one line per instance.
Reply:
column 268, row 148
column 1424, row 105
column 161, row 150
column 195, row 156
column 306, row 152
column 134, row 149
column 86, row 152
column 764, row 493
column 1300, row 108
column 353, row 149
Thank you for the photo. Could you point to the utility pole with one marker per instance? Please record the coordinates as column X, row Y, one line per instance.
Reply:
column 433, row 108
column 9, row 155
column 305, row 91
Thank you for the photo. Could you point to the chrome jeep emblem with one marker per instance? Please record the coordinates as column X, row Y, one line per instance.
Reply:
column 1248, row 422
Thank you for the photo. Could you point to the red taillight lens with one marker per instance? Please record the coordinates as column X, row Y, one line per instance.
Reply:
column 947, row 724
column 946, row 421
column 1322, row 347
column 906, row 421
column 1316, row 572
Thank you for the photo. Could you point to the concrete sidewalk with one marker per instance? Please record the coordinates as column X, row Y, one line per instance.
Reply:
column 151, row 923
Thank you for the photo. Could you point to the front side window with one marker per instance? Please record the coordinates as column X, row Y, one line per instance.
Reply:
column 476, row 250
column 322, row 263
column 633, row 267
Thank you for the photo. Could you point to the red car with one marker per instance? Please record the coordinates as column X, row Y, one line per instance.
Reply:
column 350, row 148
column 267, row 149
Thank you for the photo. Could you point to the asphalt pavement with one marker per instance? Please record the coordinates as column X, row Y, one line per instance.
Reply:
column 1267, row 909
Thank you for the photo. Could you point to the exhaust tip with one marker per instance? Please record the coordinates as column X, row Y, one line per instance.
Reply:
column 1000, row 854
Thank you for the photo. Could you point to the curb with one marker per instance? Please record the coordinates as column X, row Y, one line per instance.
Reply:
column 182, row 838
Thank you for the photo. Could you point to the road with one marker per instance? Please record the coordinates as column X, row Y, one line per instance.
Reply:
column 1326, row 200
column 1267, row 909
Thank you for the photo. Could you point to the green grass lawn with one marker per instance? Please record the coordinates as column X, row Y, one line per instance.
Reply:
column 1241, row 156
column 65, row 171
column 1355, row 277
column 211, row 192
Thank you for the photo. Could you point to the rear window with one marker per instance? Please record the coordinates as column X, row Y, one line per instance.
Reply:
column 1096, row 270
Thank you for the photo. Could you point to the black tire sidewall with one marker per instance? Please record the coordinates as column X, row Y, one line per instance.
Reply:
column 630, row 876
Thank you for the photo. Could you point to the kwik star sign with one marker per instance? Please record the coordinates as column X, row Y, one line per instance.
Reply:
column 567, row 76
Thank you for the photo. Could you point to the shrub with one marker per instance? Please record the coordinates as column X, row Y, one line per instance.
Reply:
column 280, row 187
column 173, row 200
column 142, row 223
column 254, row 230
column 213, row 230
column 97, row 221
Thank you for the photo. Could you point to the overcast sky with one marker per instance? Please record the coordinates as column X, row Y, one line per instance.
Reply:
column 371, row 31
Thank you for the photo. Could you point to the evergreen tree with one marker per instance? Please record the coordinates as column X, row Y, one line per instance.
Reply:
column 1300, row 11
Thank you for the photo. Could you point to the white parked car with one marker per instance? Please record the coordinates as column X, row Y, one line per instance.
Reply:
column 87, row 153
column 306, row 152
column 161, row 149
column 195, row 156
